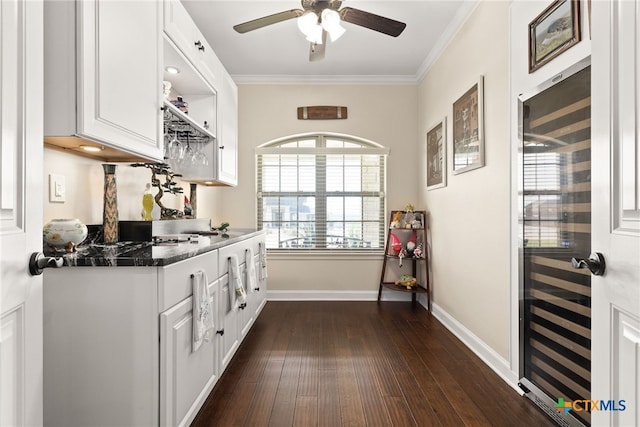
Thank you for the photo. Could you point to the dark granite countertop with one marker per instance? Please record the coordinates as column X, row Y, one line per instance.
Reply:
column 144, row 254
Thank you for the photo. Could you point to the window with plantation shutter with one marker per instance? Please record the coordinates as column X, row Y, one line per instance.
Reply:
column 322, row 192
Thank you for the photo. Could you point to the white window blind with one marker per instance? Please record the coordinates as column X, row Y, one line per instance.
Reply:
column 322, row 192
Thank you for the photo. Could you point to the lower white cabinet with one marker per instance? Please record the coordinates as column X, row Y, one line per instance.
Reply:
column 229, row 320
column 118, row 341
column 186, row 376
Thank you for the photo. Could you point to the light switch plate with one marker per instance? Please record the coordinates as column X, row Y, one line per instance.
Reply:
column 57, row 188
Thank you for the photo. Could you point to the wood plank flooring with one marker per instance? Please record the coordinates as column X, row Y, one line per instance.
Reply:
column 359, row 364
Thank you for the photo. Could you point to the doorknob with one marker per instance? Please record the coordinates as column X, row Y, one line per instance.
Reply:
column 39, row 262
column 595, row 263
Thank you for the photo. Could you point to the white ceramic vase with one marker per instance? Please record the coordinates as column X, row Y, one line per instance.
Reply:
column 64, row 233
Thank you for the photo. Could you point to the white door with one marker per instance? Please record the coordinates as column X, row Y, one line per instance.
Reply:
column 20, row 212
column 615, row 328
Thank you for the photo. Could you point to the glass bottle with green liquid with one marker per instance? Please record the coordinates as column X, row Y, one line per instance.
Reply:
column 147, row 203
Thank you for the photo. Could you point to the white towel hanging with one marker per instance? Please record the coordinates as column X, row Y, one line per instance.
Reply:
column 202, row 312
column 237, row 293
column 263, row 261
column 252, row 282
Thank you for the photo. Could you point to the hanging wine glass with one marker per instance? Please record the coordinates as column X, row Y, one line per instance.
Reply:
column 175, row 150
column 188, row 154
column 200, row 157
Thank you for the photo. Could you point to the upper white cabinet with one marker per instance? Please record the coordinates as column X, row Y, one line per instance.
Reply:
column 103, row 78
column 212, row 98
column 227, row 158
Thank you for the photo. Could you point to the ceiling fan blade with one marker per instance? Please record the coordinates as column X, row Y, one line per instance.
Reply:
column 267, row 20
column 316, row 51
column 372, row 21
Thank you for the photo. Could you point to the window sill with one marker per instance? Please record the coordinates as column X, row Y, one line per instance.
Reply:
column 324, row 255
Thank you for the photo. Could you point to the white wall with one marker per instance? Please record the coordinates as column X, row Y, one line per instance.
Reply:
column 386, row 114
column 470, row 216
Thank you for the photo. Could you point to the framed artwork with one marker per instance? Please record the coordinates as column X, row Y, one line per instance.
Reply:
column 555, row 30
column 437, row 155
column 468, row 130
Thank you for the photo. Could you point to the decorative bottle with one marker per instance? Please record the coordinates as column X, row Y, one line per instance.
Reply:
column 147, row 203
column 110, row 205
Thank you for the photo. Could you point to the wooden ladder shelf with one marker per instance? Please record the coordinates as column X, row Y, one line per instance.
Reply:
column 407, row 247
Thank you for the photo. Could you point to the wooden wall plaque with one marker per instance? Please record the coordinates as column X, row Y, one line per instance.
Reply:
column 322, row 112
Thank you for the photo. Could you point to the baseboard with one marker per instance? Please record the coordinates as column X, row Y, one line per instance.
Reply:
column 492, row 359
column 335, row 296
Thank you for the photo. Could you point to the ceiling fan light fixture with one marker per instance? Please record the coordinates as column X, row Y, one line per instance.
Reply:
column 308, row 25
column 331, row 23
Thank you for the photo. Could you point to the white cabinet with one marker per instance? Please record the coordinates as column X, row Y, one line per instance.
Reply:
column 238, row 322
column 229, row 323
column 103, row 76
column 186, row 377
column 183, row 32
column 118, row 340
column 227, row 158
column 211, row 93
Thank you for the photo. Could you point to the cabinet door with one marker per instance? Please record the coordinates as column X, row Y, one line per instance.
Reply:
column 227, row 156
column 229, row 324
column 120, row 74
column 180, row 28
column 186, row 377
column 246, row 313
column 260, row 294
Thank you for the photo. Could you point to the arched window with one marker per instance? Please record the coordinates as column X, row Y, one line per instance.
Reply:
column 322, row 192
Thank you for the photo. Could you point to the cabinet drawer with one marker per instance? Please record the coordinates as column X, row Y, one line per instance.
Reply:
column 239, row 249
column 175, row 283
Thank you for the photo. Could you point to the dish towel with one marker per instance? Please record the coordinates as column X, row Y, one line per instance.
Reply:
column 237, row 294
column 263, row 261
column 252, row 282
column 202, row 312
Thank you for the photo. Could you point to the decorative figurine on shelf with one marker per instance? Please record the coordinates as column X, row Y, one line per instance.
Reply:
column 407, row 281
column 417, row 252
column 396, row 246
column 411, row 244
column 402, row 255
column 408, row 216
column 169, row 185
column 395, row 222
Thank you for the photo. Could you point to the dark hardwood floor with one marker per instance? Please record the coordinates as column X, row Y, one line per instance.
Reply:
column 359, row 364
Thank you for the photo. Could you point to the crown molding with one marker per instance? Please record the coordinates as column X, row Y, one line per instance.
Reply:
column 447, row 36
column 325, row 79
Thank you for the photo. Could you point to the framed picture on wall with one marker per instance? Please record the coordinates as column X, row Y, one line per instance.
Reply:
column 468, row 130
column 554, row 31
column 437, row 155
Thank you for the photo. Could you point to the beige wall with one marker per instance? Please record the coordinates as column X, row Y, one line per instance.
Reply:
column 470, row 216
column 84, row 180
column 386, row 114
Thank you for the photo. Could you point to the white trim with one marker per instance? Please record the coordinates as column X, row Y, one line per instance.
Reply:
column 398, row 80
column 336, row 296
column 463, row 14
column 361, row 151
column 329, row 254
column 492, row 359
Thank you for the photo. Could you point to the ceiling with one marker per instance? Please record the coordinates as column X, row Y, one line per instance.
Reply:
column 280, row 53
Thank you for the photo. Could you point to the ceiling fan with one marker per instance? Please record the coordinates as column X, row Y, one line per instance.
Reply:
column 317, row 18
